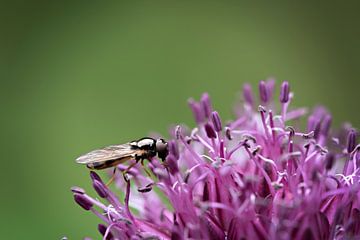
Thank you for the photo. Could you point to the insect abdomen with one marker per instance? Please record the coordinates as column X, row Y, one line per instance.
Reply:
column 106, row 164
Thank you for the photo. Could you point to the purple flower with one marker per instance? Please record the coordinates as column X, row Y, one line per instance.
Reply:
column 258, row 177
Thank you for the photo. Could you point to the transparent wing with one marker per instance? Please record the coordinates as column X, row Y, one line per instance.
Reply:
column 112, row 152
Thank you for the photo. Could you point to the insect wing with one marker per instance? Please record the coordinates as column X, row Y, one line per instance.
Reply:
column 123, row 151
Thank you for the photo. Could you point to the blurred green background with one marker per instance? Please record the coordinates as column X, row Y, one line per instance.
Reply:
column 77, row 76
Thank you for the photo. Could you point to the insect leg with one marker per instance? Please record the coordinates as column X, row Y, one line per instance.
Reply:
column 146, row 171
column 148, row 187
column 112, row 177
column 127, row 169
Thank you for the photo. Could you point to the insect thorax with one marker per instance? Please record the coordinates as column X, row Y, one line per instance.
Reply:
column 147, row 145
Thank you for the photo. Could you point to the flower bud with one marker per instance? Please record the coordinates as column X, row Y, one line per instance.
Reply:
column 247, row 94
column 351, row 141
column 172, row 164
column 146, row 189
column 95, row 176
column 326, row 124
column 210, row 132
column 206, row 104
column 173, row 149
column 263, row 92
column 83, row 201
column 314, row 125
column 284, row 92
column 216, row 121
column 100, row 188
column 102, row 229
column 329, row 161
column 196, row 110
column 228, row 133
column 77, row 190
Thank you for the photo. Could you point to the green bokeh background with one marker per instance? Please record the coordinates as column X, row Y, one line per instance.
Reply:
column 77, row 76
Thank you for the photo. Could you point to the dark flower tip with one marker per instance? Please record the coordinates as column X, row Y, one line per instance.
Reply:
column 100, row 188
column 102, row 229
column 263, row 92
column 351, row 141
column 216, row 121
column 146, row 189
column 261, row 109
column 77, row 190
column 291, row 131
column 95, row 176
column 228, row 133
column 210, row 132
column 329, row 161
column 308, row 135
column 83, row 201
column 284, row 92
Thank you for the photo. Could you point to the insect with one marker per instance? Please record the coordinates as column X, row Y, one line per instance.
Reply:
column 111, row 156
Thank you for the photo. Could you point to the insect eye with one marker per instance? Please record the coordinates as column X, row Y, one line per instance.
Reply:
column 161, row 148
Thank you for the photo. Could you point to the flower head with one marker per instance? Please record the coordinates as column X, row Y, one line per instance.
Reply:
column 257, row 177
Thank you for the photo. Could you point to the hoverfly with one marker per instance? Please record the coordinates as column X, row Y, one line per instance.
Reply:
column 111, row 156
